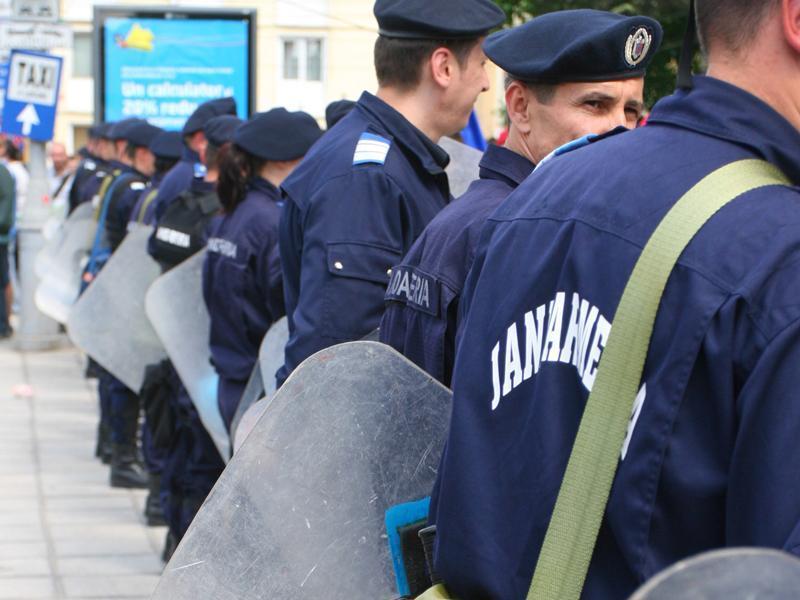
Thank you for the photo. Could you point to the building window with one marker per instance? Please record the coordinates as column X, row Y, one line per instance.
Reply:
column 302, row 59
column 82, row 55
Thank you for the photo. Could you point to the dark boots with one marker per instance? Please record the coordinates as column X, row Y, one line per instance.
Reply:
column 126, row 471
column 103, row 448
column 153, row 512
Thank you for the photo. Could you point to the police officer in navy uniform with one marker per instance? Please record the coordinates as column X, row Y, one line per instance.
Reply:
column 193, row 463
column 551, row 101
column 190, row 166
column 242, row 283
column 711, row 457
column 140, row 168
column 367, row 190
column 120, row 405
column 106, row 153
column 90, row 164
column 167, row 148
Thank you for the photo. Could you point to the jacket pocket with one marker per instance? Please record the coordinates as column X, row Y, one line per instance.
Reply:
column 353, row 295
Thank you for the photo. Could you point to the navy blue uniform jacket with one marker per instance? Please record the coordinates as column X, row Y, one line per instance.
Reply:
column 121, row 202
column 242, row 280
column 354, row 207
column 711, row 458
column 177, row 180
column 421, row 315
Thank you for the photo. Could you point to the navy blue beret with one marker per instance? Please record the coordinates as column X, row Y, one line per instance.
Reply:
column 208, row 110
column 142, row 134
column 121, row 129
column 99, row 130
column 220, row 130
column 336, row 111
column 167, row 144
column 103, row 130
column 437, row 19
column 278, row 134
column 575, row 46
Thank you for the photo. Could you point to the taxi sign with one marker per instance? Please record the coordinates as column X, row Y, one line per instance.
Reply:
column 31, row 95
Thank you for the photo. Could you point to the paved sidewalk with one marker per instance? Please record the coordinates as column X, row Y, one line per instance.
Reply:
column 64, row 533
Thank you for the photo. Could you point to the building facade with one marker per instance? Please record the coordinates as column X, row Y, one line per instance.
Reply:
column 308, row 53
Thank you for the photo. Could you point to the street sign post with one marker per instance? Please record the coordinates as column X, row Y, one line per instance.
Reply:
column 31, row 95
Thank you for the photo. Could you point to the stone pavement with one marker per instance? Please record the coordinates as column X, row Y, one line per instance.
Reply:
column 64, row 533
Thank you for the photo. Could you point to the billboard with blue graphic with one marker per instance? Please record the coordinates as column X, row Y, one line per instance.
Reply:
column 160, row 67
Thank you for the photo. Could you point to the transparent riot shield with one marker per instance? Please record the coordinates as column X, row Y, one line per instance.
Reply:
column 109, row 322
column 175, row 307
column 270, row 356
column 262, row 380
column 60, row 264
column 731, row 574
column 463, row 167
column 299, row 512
column 55, row 234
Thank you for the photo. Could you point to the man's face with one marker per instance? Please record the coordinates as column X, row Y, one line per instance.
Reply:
column 121, row 151
column 105, row 149
column 58, row 155
column 470, row 80
column 145, row 162
column 579, row 109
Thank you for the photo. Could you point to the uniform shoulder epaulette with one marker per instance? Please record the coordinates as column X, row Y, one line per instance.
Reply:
column 567, row 148
column 138, row 186
column 371, row 149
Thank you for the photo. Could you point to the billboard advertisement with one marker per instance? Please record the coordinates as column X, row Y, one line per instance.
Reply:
column 160, row 65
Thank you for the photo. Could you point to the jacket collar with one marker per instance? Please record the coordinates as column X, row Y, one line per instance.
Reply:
column 431, row 156
column 190, row 155
column 261, row 185
column 721, row 110
column 505, row 165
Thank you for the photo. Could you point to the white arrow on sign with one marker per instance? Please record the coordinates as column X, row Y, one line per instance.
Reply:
column 28, row 117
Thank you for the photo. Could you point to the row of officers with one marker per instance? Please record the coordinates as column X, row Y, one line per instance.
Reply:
column 355, row 229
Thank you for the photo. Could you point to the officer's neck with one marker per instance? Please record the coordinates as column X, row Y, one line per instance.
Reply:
column 416, row 108
column 777, row 85
column 516, row 143
column 211, row 176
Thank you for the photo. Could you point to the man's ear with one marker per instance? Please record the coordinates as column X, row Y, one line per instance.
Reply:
column 443, row 66
column 518, row 99
column 790, row 18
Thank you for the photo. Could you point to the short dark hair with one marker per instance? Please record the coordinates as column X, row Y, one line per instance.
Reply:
column 732, row 23
column 544, row 92
column 399, row 62
column 164, row 164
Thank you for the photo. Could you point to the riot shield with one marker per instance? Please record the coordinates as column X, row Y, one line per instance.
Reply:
column 108, row 321
column 299, row 512
column 463, row 167
column 262, row 379
column 270, row 356
column 175, row 307
column 55, row 234
column 245, row 422
column 60, row 264
column 731, row 574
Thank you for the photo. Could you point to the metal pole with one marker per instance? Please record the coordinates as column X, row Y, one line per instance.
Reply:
column 36, row 331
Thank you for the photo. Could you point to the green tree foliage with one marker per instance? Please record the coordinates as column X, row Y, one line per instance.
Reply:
column 672, row 15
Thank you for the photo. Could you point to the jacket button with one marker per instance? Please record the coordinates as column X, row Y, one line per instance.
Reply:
column 389, row 272
column 338, row 265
